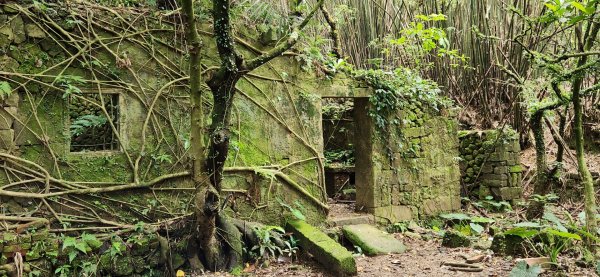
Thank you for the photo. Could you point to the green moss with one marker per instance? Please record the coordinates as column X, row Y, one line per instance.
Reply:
column 326, row 251
column 95, row 168
column 515, row 169
column 454, row 239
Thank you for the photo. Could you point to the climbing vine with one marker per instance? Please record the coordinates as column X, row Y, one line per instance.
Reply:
column 86, row 53
column 401, row 99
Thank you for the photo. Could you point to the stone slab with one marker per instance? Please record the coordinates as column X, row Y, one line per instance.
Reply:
column 371, row 240
column 351, row 220
column 325, row 250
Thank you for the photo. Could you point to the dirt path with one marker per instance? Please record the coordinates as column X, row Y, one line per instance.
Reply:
column 423, row 258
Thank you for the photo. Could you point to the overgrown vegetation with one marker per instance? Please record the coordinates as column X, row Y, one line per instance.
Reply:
column 530, row 64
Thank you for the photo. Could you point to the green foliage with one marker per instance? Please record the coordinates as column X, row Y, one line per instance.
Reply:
column 466, row 224
column 400, row 90
column 521, row 269
column 493, row 205
column 162, row 158
column 568, row 12
column 476, row 228
column 398, row 227
column 340, row 156
column 455, row 216
column 548, row 237
column 5, row 90
column 422, row 39
column 70, row 84
column 267, row 247
column 544, row 199
column 84, row 122
column 295, row 212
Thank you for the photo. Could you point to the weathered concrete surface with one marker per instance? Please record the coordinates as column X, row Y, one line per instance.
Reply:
column 327, row 251
column 371, row 240
column 351, row 220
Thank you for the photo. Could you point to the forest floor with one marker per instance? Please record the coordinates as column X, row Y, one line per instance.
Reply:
column 423, row 258
column 425, row 255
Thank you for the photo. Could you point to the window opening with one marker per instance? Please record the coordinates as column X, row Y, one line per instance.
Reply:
column 89, row 124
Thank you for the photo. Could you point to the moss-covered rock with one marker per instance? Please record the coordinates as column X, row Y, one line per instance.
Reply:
column 371, row 240
column 326, row 251
column 453, row 239
column 508, row 245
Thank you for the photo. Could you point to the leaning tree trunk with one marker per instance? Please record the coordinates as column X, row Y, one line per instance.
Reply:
column 584, row 172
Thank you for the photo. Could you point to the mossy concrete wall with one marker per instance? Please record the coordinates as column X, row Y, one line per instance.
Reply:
column 275, row 124
column 490, row 164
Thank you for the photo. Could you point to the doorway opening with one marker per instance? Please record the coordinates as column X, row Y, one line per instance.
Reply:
column 347, row 148
column 339, row 131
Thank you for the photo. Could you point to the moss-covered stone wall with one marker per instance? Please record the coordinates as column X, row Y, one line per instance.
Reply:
column 490, row 164
column 275, row 125
column 411, row 171
column 422, row 179
column 49, row 57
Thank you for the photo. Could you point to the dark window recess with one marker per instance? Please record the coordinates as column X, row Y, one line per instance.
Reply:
column 90, row 126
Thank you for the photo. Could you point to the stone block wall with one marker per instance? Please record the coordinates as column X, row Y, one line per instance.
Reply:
column 490, row 164
column 8, row 111
column 418, row 180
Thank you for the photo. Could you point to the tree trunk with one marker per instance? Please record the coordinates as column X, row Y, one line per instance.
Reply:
column 218, row 238
column 584, row 172
column 536, row 209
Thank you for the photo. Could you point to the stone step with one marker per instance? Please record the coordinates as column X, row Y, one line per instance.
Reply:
column 350, row 220
column 371, row 240
column 325, row 250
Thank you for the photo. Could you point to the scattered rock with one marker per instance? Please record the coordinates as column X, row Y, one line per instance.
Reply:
column 18, row 29
column 483, row 244
column 413, row 226
column 372, row 241
column 412, row 235
column 7, row 140
column 543, row 262
column 454, row 239
column 509, row 245
column 7, row 117
column 475, row 259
